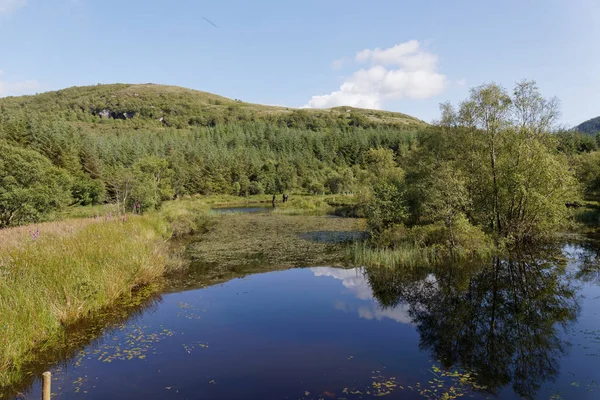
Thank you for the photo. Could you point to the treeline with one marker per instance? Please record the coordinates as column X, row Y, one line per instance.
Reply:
column 493, row 171
column 46, row 163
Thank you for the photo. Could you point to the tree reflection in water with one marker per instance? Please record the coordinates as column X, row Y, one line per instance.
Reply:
column 587, row 254
column 502, row 320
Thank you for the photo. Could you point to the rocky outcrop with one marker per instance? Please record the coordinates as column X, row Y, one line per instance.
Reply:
column 104, row 113
column 107, row 113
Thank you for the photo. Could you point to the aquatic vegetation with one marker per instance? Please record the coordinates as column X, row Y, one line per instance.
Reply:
column 443, row 385
column 361, row 253
column 273, row 239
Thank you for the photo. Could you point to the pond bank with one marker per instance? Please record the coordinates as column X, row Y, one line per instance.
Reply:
column 56, row 274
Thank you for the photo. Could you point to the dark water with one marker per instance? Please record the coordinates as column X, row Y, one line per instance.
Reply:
column 258, row 208
column 525, row 327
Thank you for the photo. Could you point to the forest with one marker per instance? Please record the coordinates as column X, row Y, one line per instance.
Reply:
column 493, row 167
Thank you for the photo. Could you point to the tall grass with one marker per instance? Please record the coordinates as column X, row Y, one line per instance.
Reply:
column 407, row 255
column 361, row 253
column 52, row 280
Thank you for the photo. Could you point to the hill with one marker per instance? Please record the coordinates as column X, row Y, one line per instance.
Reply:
column 138, row 145
column 591, row 126
column 156, row 105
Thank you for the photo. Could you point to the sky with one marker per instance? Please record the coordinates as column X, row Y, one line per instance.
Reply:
column 401, row 55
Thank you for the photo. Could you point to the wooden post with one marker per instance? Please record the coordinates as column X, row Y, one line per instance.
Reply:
column 47, row 386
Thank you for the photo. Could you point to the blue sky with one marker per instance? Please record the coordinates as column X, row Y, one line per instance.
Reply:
column 310, row 53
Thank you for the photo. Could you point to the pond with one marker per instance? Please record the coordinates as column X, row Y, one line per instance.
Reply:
column 526, row 326
column 256, row 208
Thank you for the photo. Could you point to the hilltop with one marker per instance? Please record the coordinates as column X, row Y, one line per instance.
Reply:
column 160, row 105
column 591, row 126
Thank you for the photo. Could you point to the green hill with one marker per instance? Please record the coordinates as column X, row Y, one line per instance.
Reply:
column 160, row 105
column 591, row 126
column 138, row 145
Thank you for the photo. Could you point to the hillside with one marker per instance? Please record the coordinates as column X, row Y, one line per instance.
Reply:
column 172, row 106
column 138, row 145
column 591, row 126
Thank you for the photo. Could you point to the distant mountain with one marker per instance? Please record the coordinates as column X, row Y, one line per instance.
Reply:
column 151, row 105
column 591, row 126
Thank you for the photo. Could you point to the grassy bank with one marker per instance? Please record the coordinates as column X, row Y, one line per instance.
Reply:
column 53, row 274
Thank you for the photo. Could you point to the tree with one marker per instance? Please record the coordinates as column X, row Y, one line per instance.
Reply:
column 120, row 183
column 449, row 199
column 486, row 111
column 387, row 207
column 87, row 191
column 379, row 161
column 492, row 165
column 153, row 177
column 521, row 191
column 30, row 186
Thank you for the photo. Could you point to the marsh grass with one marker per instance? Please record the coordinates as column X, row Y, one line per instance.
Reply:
column 72, row 269
column 586, row 219
column 76, row 337
column 361, row 253
column 298, row 204
column 88, row 211
column 407, row 255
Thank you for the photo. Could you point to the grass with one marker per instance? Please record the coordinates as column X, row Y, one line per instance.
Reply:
column 51, row 282
column 586, row 219
column 402, row 256
column 88, row 211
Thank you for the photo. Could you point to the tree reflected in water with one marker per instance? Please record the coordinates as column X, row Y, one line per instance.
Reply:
column 587, row 256
column 502, row 321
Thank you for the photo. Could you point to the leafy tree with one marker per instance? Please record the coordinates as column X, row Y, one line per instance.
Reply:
column 87, row 191
column 30, row 186
column 155, row 175
column 387, row 207
column 587, row 167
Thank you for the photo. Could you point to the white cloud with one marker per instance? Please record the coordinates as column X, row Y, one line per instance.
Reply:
column 8, row 6
column 402, row 71
column 17, row 88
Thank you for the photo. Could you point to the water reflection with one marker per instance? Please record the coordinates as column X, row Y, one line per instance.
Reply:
column 355, row 281
column 504, row 320
column 586, row 255
column 324, row 330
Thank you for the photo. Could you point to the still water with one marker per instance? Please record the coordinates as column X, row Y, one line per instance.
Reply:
column 257, row 208
column 520, row 327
